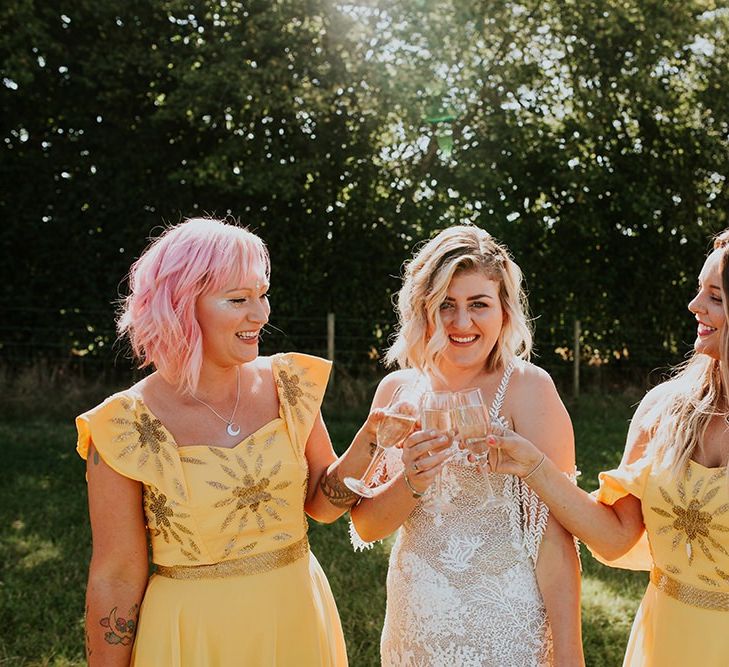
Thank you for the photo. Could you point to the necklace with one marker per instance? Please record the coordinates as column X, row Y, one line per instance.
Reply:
column 232, row 428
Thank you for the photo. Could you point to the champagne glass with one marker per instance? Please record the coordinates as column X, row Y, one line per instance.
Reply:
column 396, row 425
column 436, row 409
column 472, row 420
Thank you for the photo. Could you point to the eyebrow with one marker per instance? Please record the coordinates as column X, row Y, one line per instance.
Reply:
column 252, row 290
column 472, row 298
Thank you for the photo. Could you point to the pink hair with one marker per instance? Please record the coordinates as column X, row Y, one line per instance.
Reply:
column 195, row 257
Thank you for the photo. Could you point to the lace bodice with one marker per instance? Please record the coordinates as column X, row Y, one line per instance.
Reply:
column 461, row 588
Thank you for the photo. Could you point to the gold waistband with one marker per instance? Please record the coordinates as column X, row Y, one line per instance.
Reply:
column 688, row 594
column 253, row 564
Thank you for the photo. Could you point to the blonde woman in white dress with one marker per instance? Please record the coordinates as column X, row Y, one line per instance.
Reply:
column 494, row 586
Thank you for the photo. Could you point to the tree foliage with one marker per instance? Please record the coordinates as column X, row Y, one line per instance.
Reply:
column 590, row 137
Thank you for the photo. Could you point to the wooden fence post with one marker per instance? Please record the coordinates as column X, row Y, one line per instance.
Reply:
column 576, row 361
column 330, row 342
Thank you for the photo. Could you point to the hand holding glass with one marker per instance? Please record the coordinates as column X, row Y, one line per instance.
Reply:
column 473, row 425
column 436, row 411
column 396, row 424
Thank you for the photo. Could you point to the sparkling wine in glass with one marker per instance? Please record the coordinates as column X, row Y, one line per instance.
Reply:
column 436, row 410
column 472, row 421
column 396, row 425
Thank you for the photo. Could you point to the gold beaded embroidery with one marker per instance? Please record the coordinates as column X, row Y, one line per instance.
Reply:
column 164, row 518
column 690, row 520
column 294, row 389
column 253, row 564
column 145, row 436
column 690, row 595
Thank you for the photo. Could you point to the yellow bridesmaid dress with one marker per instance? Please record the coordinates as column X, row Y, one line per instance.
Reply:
column 235, row 581
column 683, row 618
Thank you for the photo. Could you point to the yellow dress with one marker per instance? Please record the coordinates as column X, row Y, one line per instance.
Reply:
column 235, row 582
column 683, row 619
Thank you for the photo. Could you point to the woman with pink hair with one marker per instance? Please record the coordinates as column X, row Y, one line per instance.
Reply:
column 215, row 459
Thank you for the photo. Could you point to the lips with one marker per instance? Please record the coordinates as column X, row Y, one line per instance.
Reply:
column 463, row 340
column 705, row 329
column 247, row 336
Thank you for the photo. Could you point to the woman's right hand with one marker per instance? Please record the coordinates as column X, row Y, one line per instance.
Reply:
column 512, row 454
column 423, row 454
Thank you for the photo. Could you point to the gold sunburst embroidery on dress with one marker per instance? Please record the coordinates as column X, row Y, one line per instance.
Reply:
column 691, row 521
column 251, row 492
column 145, row 436
column 163, row 518
column 294, row 390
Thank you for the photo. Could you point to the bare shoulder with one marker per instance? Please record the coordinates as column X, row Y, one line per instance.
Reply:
column 652, row 401
column 389, row 384
column 528, row 380
column 644, row 421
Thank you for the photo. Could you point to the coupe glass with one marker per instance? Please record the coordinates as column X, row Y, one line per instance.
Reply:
column 397, row 424
column 472, row 421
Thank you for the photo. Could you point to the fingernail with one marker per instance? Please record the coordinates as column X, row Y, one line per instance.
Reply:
column 442, row 438
column 491, row 440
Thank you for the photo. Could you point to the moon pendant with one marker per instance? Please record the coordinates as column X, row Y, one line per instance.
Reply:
column 233, row 429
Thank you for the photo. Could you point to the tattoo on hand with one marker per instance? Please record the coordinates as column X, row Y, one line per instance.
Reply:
column 121, row 630
column 336, row 492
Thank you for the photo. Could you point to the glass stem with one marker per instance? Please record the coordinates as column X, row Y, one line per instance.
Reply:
column 369, row 473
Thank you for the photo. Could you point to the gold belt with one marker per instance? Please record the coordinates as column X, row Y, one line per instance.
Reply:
column 688, row 594
column 253, row 564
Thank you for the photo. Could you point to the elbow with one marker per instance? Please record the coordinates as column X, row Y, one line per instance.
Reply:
column 615, row 547
column 366, row 530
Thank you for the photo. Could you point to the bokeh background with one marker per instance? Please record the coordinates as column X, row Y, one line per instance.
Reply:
column 591, row 137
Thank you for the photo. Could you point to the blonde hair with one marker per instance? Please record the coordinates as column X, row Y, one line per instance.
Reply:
column 695, row 393
column 425, row 285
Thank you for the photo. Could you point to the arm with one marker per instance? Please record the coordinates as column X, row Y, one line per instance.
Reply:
column 540, row 415
column 327, row 497
column 609, row 530
column 379, row 516
column 119, row 569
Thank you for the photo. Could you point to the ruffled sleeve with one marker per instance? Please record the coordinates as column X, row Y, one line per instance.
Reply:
column 301, row 381
column 615, row 484
column 133, row 443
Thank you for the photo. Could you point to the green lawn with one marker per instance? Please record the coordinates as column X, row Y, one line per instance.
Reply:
column 44, row 548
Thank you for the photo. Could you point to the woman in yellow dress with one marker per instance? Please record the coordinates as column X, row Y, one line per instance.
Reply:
column 215, row 458
column 666, row 507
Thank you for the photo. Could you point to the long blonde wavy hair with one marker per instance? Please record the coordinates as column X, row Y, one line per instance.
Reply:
column 425, row 285
column 695, row 393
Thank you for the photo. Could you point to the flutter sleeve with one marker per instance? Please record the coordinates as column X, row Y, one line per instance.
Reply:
column 301, row 381
column 629, row 479
column 133, row 443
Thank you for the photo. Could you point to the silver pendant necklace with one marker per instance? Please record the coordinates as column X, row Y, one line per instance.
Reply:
column 232, row 429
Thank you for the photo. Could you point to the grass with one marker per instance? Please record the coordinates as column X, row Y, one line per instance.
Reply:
column 44, row 546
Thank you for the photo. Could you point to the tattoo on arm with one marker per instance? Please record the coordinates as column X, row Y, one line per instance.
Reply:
column 88, row 637
column 120, row 630
column 336, row 492
column 373, row 449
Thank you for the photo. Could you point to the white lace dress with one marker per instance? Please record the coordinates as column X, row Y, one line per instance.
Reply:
column 462, row 591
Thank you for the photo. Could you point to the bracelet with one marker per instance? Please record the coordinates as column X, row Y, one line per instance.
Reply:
column 535, row 468
column 413, row 490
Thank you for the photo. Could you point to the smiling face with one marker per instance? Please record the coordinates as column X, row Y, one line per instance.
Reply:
column 708, row 308
column 231, row 320
column 472, row 317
